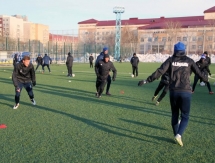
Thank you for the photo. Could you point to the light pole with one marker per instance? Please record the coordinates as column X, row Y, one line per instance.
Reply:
column 118, row 11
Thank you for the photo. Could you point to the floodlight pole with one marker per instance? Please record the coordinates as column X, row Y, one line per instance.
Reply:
column 118, row 11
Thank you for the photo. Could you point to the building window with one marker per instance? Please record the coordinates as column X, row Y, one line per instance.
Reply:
column 178, row 38
column 194, row 39
column 200, row 38
column 200, row 47
column 103, row 33
column 142, row 39
column 184, row 38
column 156, row 39
column 209, row 46
column 164, row 39
column 149, row 47
column 210, row 38
column 169, row 39
column 149, row 39
column 194, row 47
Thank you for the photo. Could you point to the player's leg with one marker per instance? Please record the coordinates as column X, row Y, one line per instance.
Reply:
column 137, row 71
column 209, row 88
column 108, row 85
column 185, row 101
column 133, row 70
column 98, row 83
column 160, row 86
column 17, row 95
column 174, row 102
column 101, row 87
column 164, row 92
column 37, row 67
column 196, row 78
column 43, row 67
column 48, row 67
column 29, row 89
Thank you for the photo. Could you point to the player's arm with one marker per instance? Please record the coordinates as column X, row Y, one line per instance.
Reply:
column 97, row 69
column 131, row 61
column 50, row 60
column 14, row 77
column 33, row 76
column 114, row 71
column 160, row 71
column 156, row 75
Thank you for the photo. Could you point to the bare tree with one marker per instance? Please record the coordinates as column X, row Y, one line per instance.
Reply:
column 129, row 38
column 211, row 23
column 189, row 33
column 173, row 28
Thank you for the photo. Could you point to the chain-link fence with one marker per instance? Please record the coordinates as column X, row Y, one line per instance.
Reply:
column 81, row 44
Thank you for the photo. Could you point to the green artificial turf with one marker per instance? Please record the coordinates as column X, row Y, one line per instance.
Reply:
column 69, row 124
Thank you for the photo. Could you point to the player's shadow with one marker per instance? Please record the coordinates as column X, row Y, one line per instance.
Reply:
column 78, row 95
column 98, row 125
column 142, row 124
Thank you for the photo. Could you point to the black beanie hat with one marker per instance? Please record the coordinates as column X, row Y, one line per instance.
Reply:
column 106, row 56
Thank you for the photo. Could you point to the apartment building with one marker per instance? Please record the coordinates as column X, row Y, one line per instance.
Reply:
column 153, row 35
column 1, row 25
column 12, row 27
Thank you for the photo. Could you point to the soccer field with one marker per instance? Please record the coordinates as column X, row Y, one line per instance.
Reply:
column 69, row 124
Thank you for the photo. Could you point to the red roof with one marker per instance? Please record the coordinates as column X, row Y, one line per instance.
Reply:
column 136, row 21
column 90, row 21
column 212, row 9
column 184, row 24
column 64, row 38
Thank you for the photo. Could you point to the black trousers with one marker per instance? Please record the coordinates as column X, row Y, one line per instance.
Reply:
column 91, row 64
column 165, row 90
column 135, row 69
column 38, row 66
column 69, row 68
column 108, row 83
column 196, row 78
column 100, row 84
column 29, row 88
column 45, row 65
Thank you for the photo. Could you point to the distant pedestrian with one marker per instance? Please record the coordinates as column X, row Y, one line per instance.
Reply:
column 39, row 61
column 134, row 62
column 69, row 64
column 46, row 61
column 91, row 60
column 24, row 76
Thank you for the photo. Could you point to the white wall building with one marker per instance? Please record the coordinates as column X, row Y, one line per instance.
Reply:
column 12, row 27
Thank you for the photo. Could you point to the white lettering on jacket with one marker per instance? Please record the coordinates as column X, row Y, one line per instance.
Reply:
column 178, row 64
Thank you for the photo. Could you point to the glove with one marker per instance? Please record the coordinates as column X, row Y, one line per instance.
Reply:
column 34, row 83
column 140, row 83
column 209, row 73
column 17, row 88
column 113, row 79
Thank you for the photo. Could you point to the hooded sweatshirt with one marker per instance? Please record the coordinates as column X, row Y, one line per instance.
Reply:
column 179, row 67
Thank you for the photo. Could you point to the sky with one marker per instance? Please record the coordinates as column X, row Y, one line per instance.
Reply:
column 65, row 14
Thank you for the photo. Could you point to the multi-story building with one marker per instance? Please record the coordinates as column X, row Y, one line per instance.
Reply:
column 1, row 25
column 154, row 35
column 12, row 27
